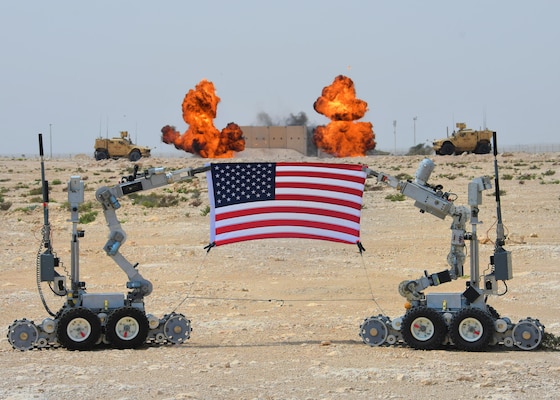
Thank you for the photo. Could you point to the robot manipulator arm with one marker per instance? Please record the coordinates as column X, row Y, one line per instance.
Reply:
column 433, row 200
column 427, row 198
column 108, row 197
column 412, row 289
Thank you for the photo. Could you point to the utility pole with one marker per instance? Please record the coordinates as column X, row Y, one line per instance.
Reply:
column 414, row 119
column 50, row 138
column 395, row 131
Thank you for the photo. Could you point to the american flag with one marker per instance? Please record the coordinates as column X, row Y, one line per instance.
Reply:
column 250, row 201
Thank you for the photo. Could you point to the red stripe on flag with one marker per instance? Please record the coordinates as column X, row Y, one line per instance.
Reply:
column 318, row 186
column 286, row 222
column 318, row 174
column 222, row 216
column 290, row 235
column 341, row 167
column 321, row 199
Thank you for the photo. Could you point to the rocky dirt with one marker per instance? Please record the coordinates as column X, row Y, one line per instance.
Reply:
column 279, row 319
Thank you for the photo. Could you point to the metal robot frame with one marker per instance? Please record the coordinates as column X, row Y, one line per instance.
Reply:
column 89, row 319
column 464, row 320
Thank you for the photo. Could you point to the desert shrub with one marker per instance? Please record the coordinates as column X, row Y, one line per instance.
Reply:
column 395, row 197
column 526, row 177
column 403, row 177
column 4, row 205
column 154, row 200
column 82, row 208
column 554, row 182
column 36, row 191
column 195, row 202
column 27, row 210
column 550, row 341
column 372, row 188
column 87, row 217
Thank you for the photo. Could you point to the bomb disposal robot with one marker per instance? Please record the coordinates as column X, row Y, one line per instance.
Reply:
column 87, row 319
column 464, row 319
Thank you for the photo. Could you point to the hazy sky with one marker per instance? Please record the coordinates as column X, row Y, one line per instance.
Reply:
column 81, row 69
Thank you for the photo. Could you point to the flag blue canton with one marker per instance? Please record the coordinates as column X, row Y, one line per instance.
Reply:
column 236, row 183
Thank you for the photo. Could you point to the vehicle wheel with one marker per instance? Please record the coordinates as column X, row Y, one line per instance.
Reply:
column 471, row 329
column 134, row 155
column 373, row 331
column 482, row 148
column 447, row 149
column 127, row 328
column 23, row 335
column 528, row 334
column 176, row 328
column 423, row 328
column 101, row 154
column 78, row 329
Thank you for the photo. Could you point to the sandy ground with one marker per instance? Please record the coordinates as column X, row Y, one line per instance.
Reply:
column 279, row 319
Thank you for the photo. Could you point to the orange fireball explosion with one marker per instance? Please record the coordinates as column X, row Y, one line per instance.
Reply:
column 343, row 137
column 202, row 137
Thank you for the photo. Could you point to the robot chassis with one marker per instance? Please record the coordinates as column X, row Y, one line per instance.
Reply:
column 464, row 319
column 89, row 319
